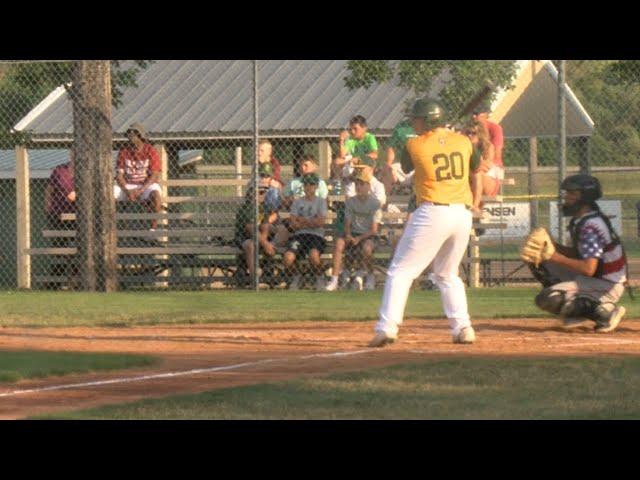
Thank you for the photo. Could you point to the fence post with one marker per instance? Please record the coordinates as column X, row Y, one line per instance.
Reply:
column 562, row 134
column 324, row 158
column 532, row 183
column 163, row 223
column 23, row 218
column 239, row 170
column 256, row 244
column 584, row 153
column 164, row 172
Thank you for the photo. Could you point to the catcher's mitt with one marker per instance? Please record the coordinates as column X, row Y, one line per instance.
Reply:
column 537, row 247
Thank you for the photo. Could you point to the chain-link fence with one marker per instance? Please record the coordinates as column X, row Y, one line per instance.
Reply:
column 142, row 175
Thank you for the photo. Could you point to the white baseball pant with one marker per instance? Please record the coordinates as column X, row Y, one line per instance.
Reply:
column 435, row 233
column 121, row 196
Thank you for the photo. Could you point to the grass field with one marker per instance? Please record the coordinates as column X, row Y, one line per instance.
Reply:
column 125, row 309
column 15, row 366
column 453, row 388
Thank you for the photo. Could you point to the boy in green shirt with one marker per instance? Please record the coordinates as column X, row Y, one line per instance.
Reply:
column 357, row 146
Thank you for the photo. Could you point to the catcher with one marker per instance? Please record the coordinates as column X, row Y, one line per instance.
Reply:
column 582, row 282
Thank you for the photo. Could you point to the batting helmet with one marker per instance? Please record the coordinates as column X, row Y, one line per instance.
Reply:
column 433, row 113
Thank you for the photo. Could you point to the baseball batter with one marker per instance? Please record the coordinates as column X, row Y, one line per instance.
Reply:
column 438, row 230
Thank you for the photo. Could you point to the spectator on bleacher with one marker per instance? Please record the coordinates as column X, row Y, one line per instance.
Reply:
column 60, row 193
column 59, row 198
column 138, row 172
column 295, row 188
column 377, row 191
column 273, row 198
column 391, row 172
column 308, row 216
column 496, row 137
column 362, row 217
column 265, row 156
column 357, row 147
column 244, row 229
column 486, row 169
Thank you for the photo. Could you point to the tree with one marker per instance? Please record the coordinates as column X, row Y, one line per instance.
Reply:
column 96, row 225
column 24, row 85
column 610, row 92
column 454, row 82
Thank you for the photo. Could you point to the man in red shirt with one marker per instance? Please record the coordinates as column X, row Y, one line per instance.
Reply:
column 138, row 171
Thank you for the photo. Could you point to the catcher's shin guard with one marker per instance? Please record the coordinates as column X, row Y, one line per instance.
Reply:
column 550, row 300
column 587, row 307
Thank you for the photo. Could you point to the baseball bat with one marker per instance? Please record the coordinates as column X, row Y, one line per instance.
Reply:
column 477, row 99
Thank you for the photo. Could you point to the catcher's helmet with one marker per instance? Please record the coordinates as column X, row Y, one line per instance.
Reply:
column 432, row 112
column 588, row 186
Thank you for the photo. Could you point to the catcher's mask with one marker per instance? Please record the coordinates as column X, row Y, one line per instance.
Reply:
column 589, row 188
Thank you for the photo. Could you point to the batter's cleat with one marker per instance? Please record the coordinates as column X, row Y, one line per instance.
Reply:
column 332, row 286
column 614, row 321
column 295, row 283
column 466, row 335
column 370, row 282
column 357, row 284
column 381, row 339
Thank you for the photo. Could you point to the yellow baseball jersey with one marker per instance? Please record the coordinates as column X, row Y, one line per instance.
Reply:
column 441, row 159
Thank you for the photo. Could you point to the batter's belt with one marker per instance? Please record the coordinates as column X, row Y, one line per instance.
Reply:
column 438, row 204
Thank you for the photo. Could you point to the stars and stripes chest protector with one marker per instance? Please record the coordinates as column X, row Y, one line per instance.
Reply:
column 593, row 237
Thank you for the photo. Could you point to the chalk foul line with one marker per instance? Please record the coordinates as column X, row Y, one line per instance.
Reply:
column 197, row 371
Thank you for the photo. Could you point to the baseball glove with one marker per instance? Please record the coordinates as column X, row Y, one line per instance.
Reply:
column 537, row 247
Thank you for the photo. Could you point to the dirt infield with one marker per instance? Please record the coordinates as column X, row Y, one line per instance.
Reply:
column 206, row 357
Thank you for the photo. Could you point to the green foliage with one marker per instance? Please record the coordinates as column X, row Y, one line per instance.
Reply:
column 610, row 92
column 623, row 72
column 24, row 85
column 455, row 82
column 122, row 78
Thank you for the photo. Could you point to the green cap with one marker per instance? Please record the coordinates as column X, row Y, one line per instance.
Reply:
column 310, row 179
column 265, row 170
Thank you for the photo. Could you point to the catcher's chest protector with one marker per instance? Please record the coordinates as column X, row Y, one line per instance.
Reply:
column 576, row 226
